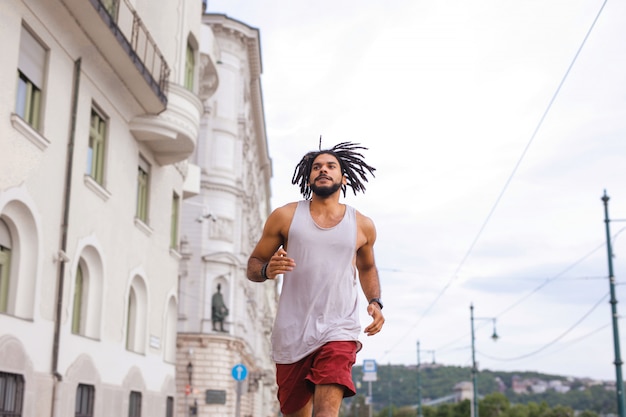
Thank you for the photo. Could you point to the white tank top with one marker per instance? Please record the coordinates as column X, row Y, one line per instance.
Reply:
column 319, row 298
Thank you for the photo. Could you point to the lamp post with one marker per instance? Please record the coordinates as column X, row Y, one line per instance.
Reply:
column 619, row 380
column 390, row 394
column 189, row 389
column 419, row 379
column 494, row 336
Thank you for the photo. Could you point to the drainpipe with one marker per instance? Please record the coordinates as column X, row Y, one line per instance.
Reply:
column 62, row 259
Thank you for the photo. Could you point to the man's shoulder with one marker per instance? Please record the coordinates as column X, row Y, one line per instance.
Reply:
column 285, row 212
column 287, row 208
column 363, row 221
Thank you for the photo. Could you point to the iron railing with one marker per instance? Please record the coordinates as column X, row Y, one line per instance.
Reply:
column 125, row 21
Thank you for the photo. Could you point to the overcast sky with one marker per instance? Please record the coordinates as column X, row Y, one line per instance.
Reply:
column 489, row 177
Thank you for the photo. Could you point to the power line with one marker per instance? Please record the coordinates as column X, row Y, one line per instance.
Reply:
column 540, row 286
column 506, row 184
column 562, row 335
column 547, row 281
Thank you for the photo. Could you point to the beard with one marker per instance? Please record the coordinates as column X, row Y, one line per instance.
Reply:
column 325, row 191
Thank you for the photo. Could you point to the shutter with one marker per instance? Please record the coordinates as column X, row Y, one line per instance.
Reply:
column 32, row 58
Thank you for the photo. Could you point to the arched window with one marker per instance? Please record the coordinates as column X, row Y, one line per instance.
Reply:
column 87, row 292
column 19, row 257
column 131, row 320
column 5, row 265
column 137, row 316
column 79, row 302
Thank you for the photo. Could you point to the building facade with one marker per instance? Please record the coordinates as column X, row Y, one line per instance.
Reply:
column 99, row 114
column 225, row 320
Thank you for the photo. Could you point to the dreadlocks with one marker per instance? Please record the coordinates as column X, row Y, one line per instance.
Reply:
column 352, row 167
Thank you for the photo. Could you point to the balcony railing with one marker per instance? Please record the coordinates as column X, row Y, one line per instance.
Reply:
column 129, row 29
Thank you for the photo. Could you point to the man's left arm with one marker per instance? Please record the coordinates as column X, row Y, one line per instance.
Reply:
column 368, row 275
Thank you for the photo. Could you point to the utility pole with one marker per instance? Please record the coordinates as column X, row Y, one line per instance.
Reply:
column 474, row 370
column 494, row 336
column 619, row 380
column 419, row 378
column 390, row 389
column 419, row 383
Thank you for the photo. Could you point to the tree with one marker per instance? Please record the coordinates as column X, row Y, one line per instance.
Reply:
column 493, row 405
column 519, row 410
column 560, row 411
column 357, row 407
column 588, row 413
column 537, row 410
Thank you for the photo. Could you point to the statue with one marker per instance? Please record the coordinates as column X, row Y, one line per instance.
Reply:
column 219, row 311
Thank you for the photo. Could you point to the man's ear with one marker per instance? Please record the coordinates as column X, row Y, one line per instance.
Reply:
column 344, row 179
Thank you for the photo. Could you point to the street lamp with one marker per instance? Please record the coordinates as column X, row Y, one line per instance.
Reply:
column 189, row 408
column 619, row 381
column 494, row 336
column 419, row 378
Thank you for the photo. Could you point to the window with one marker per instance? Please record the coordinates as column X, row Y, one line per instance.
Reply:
column 131, row 320
column 11, row 394
column 190, row 65
column 134, row 404
column 84, row 400
column 5, row 266
column 111, row 7
column 143, row 182
column 169, row 407
column 95, row 152
column 137, row 316
column 79, row 293
column 30, row 76
column 174, row 222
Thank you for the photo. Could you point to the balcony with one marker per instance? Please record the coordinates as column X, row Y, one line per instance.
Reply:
column 172, row 134
column 116, row 30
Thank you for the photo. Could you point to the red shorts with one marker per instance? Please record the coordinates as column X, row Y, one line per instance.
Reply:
column 330, row 364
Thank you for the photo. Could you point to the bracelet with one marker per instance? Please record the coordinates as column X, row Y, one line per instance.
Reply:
column 377, row 301
column 264, row 271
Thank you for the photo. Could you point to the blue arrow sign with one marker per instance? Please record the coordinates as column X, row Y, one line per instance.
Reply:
column 239, row 372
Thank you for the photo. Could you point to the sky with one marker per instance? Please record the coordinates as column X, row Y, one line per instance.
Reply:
column 495, row 128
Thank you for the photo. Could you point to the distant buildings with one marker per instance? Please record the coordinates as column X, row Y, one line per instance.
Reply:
column 220, row 227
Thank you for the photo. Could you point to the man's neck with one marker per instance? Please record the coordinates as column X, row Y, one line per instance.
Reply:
column 326, row 203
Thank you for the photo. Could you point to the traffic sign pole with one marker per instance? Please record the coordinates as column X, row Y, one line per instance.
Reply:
column 369, row 375
column 239, row 373
column 238, row 404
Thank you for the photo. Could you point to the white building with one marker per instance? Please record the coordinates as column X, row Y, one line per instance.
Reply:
column 220, row 228
column 98, row 116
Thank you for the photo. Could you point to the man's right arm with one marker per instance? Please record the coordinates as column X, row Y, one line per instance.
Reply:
column 273, row 237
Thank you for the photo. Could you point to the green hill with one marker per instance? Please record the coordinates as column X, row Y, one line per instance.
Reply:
column 397, row 385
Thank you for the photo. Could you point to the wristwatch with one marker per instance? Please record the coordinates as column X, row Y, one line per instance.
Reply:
column 377, row 301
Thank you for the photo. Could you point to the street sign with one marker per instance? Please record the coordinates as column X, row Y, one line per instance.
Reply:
column 239, row 372
column 369, row 370
column 369, row 365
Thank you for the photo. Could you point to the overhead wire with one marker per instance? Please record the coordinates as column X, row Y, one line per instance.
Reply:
column 547, row 345
column 543, row 284
column 518, row 163
column 506, row 184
